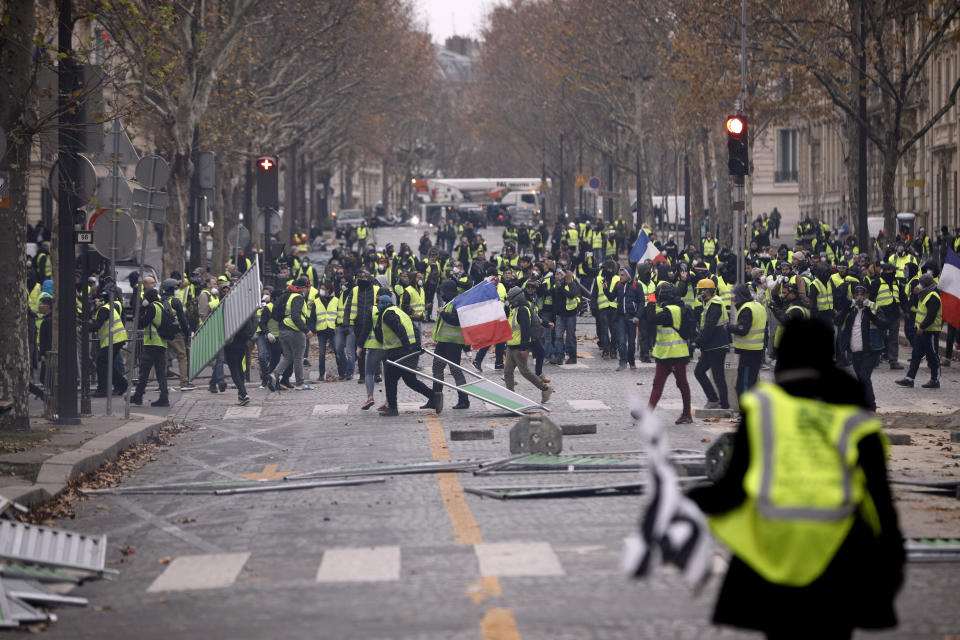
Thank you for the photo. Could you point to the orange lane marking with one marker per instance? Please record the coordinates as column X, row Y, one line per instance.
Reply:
column 269, row 473
column 483, row 588
column 498, row 624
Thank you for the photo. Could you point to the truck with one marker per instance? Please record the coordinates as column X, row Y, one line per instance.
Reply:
column 440, row 196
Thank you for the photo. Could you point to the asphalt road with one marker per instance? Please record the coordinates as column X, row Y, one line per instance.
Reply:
column 414, row 557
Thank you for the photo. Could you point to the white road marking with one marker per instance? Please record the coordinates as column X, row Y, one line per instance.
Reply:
column 588, row 404
column 242, row 412
column 517, row 559
column 369, row 564
column 211, row 571
column 329, row 409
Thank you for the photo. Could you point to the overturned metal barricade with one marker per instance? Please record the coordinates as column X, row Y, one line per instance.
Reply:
column 480, row 388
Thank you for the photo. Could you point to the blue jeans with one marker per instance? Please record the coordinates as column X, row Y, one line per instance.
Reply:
column 263, row 357
column 373, row 360
column 547, row 340
column 345, row 345
column 217, row 377
column 626, row 338
column 565, row 336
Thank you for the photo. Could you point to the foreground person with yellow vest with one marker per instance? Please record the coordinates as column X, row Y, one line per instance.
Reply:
column 805, row 506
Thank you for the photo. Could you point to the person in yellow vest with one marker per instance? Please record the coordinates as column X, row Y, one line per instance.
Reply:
column 804, row 505
column 449, row 338
column 899, row 259
column 928, row 323
column 154, row 354
column 300, row 242
column 103, row 323
column 572, row 238
column 748, row 330
column 709, row 249
column 605, row 291
column 670, row 350
column 324, row 319
column 394, row 333
column 293, row 333
column 522, row 320
column 714, row 342
column 887, row 293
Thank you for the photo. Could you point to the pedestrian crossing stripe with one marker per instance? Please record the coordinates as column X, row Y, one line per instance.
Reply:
column 209, row 571
column 371, row 564
column 329, row 409
column 359, row 565
column 585, row 405
column 242, row 412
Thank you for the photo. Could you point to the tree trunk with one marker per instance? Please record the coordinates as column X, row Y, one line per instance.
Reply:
column 723, row 220
column 15, row 60
column 708, row 174
column 888, row 183
column 696, row 195
column 178, row 215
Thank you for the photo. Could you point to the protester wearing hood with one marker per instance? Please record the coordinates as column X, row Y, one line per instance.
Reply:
column 606, row 309
column 524, row 324
column 450, row 343
column 833, row 547
column 749, row 332
column 394, row 334
column 627, row 294
column 670, row 350
column 646, row 297
column 928, row 324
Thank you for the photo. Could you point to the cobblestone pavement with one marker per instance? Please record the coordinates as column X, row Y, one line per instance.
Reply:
column 416, row 557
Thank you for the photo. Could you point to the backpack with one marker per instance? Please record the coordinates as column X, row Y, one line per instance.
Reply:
column 688, row 323
column 279, row 307
column 192, row 312
column 536, row 325
column 169, row 327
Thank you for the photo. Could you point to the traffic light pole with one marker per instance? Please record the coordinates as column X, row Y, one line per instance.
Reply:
column 738, row 207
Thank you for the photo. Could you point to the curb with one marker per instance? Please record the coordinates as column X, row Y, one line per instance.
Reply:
column 59, row 470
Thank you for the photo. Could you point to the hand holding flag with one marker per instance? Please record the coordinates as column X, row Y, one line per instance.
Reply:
column 644, row 249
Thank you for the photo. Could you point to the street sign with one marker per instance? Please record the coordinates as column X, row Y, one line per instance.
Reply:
column 117, row 145
column 126, row 235
column 916, row 182
column 114, row 193
column 580, row 181
column 276, row 222
column 594, row 182
column 544, row 186
column 608, row 194
column 152, row 172
column 149, row 205
column 86, row 184
column 239, row 236
column 84, row 237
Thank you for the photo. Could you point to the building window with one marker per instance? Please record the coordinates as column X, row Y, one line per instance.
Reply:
column 786, row 156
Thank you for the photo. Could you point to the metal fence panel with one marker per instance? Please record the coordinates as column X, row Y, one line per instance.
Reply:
column 226, row 319
column 52, row 547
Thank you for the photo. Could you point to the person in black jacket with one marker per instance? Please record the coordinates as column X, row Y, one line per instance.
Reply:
column 714, row 342
column 862, row 329
column 234, row 351
column 447, row 349
column 177, row 345
column 858, row 586
column 518, row 348
column 391, row 316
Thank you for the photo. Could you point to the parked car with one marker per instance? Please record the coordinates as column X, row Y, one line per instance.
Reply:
column 475, row 214
column 523, row 214
column 126, row 289
column 353, row 217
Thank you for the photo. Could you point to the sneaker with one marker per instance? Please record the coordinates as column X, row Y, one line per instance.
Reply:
column 306, row 386
column 933, row 384
column 160, row 402
column 369, row 403
column 944, row 363
column 632, row 366
column 646, row 359
column 498, row 367
column 383, row 407
column 477, row 366
column 571, row 361
column 244, row 401
column 712, row 404
column 904, row 382
column 622, row 367
column 190, row 387
column 896, row 365
column 213, row 388
column 437, row 402
column 306, row 362
column 378, row 378
column 222, row 386
column 684, row 419
column 389, row 412
column 463, row 404
column 544, row 379
column 272, row 382
column 359, row 379
column 545, row 395
column 136, row 399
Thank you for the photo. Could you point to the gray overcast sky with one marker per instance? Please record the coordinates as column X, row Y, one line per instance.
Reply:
column 440, row 17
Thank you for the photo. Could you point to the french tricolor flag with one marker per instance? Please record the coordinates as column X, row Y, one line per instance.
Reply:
column 481, row 316
column 644, row 249
column 949, row 286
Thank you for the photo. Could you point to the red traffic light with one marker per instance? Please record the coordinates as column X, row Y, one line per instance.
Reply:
column 735, row 125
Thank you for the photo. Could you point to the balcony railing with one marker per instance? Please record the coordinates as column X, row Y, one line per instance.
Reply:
column 785, row 176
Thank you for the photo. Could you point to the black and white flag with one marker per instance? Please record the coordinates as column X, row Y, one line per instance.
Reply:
column 673, row 530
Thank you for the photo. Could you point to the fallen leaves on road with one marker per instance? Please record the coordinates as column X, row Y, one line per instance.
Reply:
column 108, row 475
column 163, row 560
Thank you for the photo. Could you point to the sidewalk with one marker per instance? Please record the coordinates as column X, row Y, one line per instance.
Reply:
column 38, row 464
